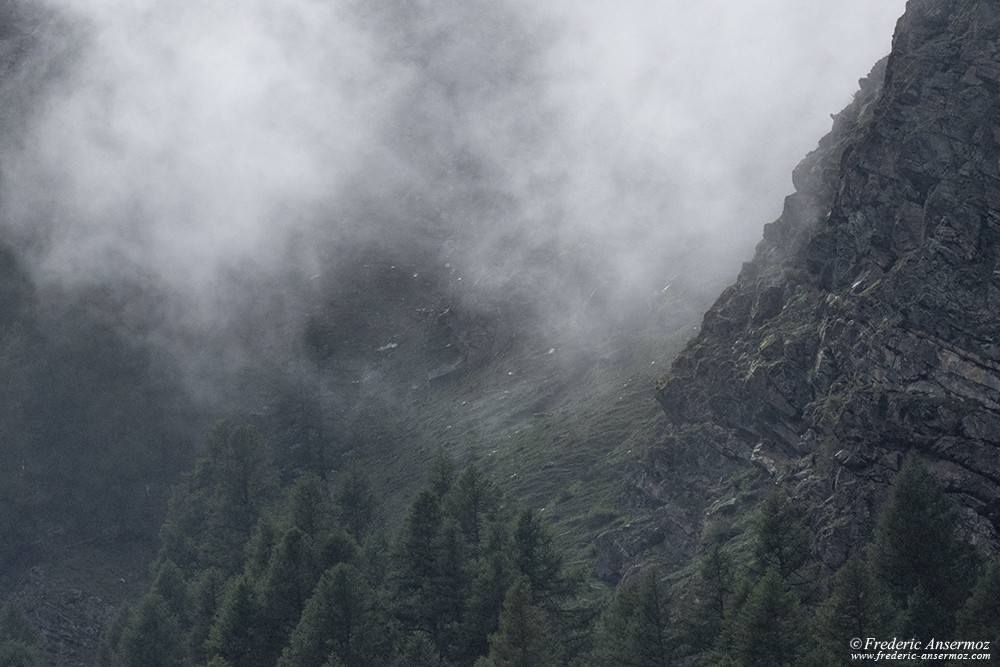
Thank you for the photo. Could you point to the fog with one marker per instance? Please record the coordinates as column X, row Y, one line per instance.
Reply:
column 579, row 157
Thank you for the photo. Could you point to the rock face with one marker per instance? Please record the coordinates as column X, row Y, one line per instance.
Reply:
column 867, row 325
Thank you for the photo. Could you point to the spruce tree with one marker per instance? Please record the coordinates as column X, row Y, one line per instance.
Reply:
column 206, row 594
column 111, row 641
column 16, row 626
column 442, row 472
column 419, row 651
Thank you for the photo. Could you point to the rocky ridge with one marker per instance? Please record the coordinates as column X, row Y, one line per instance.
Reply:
column 867, row 325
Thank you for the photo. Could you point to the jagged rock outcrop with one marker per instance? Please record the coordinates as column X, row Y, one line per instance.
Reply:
column 867, row 325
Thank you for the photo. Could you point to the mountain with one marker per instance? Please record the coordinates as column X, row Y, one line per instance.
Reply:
column 862, row 334
column 865, row 328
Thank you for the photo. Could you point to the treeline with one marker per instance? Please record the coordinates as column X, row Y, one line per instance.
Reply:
column 249, row 574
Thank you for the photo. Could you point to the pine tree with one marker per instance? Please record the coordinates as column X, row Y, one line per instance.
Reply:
column 979, row 618
column 16, row 653
column 536, row 558
column 636, row 629
column 16, row 626
column 291, row 575
column 858, row 606
column 238, row 633
column 341, row 619
column 523, row 639
column 213, row 511
column 258, row 549
column 494, row 575
column 917, row 544
column 206, row 593
column 473, row 501
column 768, row 630
column 20, row 640
column 780, row 537
column 442, row 473
column 356, row 501
column 153, row 638
column 714, row 588
column 310, row 507
column 169, row 584
column 111, row 641
column 417, row 559
column 419, row 651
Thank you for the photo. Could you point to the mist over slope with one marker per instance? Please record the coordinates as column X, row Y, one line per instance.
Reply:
column 373, row 229
column 572, row 160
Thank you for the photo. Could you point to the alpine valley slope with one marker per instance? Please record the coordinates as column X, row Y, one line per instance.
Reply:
column 866, row 329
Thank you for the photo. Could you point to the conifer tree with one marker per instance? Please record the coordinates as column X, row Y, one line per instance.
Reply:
column 419, row 651
column 417, row 559
column 780, row 537
column 154, row 637
column 524, row 639
column 768, row 630
column 636, row 629
column 536, row 559
column 16, row 626
column 169, row 584
column 355, row 499
column 979, row 618
column 917, row 544
column 473, row 501
column 206, row 593
column 341, row 619
column 494, row 575
column 258, row 549
column 213, row 511
column 291, row 575
column 111, row 641
column 442, row 472
column 714, row 588
column 20, row 640
column 16, row 653
column 238, row 633
column 310, row 506
column 858, row 606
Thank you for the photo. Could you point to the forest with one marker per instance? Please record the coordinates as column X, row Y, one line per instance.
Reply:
column 249, row 573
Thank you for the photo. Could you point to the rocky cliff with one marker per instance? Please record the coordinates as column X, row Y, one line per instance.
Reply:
column 867, row 325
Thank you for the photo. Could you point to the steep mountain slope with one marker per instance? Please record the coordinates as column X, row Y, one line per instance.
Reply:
column 865, row 329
